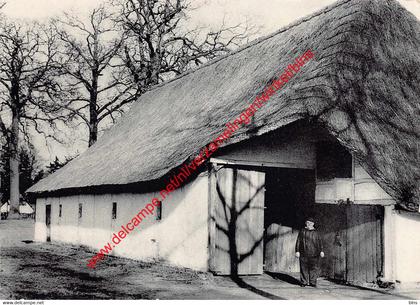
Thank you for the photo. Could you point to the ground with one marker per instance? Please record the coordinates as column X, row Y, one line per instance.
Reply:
column 31, row 270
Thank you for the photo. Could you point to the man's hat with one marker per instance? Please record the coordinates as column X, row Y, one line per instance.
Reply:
column 311, row 219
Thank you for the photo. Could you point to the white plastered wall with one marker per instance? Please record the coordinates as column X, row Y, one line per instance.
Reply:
column 389, row 243
column 407, row 247
column 40, row 233
column 401, row 246
column 361, row 189
column 180, row 237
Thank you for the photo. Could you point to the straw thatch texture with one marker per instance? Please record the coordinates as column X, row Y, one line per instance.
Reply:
column 362, row 85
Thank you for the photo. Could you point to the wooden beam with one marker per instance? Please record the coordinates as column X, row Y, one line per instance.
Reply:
column 259, row 163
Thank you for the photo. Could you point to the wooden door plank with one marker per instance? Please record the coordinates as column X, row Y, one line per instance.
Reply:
column 373, row 243
column 366, row 226
column 238, row 219
column 379, row 242
column 222, row 215
column 342, row 239
column 358, row 243
column 212, row 222
column 250, row 205
column 350, row 251
column 259, row 220
column 361, row 243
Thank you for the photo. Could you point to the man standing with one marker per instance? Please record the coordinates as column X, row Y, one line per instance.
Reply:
column 308, row 250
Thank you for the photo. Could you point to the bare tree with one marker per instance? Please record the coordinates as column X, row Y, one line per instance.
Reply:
column 159, row 46
column 3, row 129
column 29, row 93
column 112, row 58
column 90, row 55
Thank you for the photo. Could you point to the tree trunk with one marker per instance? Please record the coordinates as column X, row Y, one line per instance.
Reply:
column 93, row 132
column 14, row 164
column 93, row 112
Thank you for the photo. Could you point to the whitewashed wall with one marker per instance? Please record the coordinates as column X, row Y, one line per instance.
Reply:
column 366, row 189
column 401, row 246
column 407, row 247
column 389, row 243
column 180, row 237
column 40, row 233
column 361, row 189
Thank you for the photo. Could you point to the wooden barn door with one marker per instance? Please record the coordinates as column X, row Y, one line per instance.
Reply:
column 332, row 223
column 353, row 240
column 237, row 221
column 364, row 254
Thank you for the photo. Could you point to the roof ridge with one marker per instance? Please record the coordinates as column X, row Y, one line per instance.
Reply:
column 256, row 41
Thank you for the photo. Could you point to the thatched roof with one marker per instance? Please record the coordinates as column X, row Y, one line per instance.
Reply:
column 362, row 85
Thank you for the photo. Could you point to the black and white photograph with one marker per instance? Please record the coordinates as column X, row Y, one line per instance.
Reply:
column 209, row 150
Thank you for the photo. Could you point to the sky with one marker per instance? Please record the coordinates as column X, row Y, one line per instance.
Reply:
column 267, row 16
column 271, row 15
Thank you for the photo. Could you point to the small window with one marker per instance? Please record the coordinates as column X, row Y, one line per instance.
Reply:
column 80, row 210
column 332, row 161
column 159, row 212
column 60, row 210
column 114, row 210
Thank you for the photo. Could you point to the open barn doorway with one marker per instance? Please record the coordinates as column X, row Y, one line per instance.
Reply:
column 289, row 195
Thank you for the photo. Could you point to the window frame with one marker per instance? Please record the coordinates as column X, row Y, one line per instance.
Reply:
column 159, row 212
column 114, row 210
column 80, row 214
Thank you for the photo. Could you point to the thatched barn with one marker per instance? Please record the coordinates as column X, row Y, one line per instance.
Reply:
column 339, row 141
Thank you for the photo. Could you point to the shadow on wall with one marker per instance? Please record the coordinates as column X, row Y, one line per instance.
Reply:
column 238, row 219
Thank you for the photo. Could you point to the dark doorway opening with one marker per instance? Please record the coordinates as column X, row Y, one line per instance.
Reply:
column 289, row 196
column 48, row 221
column 352, row 233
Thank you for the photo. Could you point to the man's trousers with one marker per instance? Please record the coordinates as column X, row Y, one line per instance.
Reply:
column 309, row 270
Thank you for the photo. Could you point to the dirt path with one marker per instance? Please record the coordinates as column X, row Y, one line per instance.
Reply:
column 53, row 271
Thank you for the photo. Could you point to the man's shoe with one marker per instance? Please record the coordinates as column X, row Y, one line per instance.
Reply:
column 303, row 285
column 313, row 285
